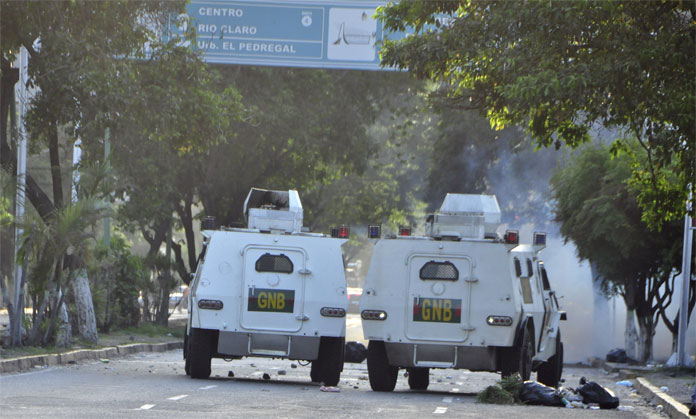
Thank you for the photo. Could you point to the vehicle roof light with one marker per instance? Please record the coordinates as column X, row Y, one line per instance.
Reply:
column 374, row 231
column 512, row 237
column 334, row 231
column 540, row 239
column 208, row 223
column 404, row 231
column 343, row 232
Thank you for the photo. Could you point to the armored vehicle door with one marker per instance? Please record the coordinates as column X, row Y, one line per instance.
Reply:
column 273, row 289
column 552, row 315
column 439, row 296
column 531, row 293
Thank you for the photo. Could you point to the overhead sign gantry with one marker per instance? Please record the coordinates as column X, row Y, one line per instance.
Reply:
column 328, row 34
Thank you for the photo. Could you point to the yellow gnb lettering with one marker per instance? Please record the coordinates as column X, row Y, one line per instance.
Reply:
column 447, row 312
column 437, row 310
column 262, row 300
column 425, row 310
column 280, row 301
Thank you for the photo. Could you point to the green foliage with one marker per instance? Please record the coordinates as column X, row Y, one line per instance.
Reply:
column 153, row 330
column 494, row 395
column 512, row 384
column 598, row 210
column 559, row 68
column 118, row 276
column 507, row 391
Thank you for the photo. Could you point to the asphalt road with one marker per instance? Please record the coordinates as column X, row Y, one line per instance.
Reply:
column 153, row 385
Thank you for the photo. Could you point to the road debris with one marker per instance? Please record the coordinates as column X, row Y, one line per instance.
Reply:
column 595, row 393
column 534, row 393
column 330, row 389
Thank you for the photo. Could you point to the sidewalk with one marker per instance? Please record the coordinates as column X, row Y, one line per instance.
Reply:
column 24, row 363
column 670, row 390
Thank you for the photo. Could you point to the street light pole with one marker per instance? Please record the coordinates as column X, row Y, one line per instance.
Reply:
column 21, row 179
column 682, row 360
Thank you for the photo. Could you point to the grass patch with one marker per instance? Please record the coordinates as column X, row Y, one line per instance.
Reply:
column 152, row 330
column 513, row 385
column 507, row 391
column 495, row 395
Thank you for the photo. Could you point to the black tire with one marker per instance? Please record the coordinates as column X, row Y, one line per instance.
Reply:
column 550, row 372
column 200, row 353
column 187, row 363
column 519, row 359
column 418, row 378
column 329, row 364
column 315, row 371
column 382, row 375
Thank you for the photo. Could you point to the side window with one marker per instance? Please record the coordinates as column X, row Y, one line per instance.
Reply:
column 518, row 268
column 530, row 269
column 526, row 290
column 545, row 279
column 274, row 263
column 442, row 271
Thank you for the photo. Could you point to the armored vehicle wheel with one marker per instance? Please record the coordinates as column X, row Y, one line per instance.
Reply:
column 549, row 373
column 418, row 378
column 187, row 363
column 382, row 375
column 519, row 359
column 328, row 366
column 200, row 352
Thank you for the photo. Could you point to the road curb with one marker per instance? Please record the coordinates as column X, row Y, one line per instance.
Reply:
column 28, row 362
column 654, row 395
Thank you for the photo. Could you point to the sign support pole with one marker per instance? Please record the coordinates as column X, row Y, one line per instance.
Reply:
column 686, row 280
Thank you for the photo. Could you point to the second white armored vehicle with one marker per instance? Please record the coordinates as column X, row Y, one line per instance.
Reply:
column 460, row 297
column 268, row 290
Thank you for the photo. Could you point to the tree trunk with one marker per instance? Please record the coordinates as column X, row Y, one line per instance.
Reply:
column 86, row 320
column 630, row 334
column 64, row 335
column 645, row 341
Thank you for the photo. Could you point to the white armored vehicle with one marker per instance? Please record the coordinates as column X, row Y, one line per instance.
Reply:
column 268, row 290
column 460, row 297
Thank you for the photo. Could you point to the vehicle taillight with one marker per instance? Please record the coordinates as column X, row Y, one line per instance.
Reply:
column 512, row 237
column 373, row 315
column 374, row 231
column 332, row 312
column 404, row 231
column 210, row 304
column 499, row 320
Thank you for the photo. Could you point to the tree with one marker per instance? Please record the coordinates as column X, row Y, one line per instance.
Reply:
column 559, row 68
column 598, row 211
column 82, row 56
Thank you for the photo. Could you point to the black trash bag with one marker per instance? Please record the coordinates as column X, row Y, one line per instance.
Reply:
column 355, row 352
column 617, row 355
column 594, row 393
column 534, row 393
